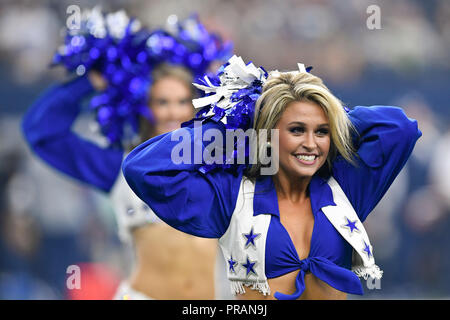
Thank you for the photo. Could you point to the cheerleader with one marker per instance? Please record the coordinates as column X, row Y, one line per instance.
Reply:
column 140, row 80
column 291, row 233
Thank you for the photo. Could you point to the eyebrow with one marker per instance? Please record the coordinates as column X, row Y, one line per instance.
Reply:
column 304, row 124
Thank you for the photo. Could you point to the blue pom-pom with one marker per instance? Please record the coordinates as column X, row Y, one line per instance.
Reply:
column 126, row 59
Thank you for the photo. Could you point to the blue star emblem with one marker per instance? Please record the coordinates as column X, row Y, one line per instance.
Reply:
column 249, row 265
column 250, row 238
column 351, row 226
column 367, row 250
column 231, row 264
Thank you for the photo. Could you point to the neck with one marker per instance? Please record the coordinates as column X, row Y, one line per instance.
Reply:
column 292, row 188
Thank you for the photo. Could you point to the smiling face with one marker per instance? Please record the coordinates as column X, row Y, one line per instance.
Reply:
column 304, row 139
column 170, row 104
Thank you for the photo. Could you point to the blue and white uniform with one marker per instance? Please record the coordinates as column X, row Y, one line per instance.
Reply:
column 47, row 127
column 204, row 204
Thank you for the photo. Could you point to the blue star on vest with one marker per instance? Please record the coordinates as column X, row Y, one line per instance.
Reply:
column 231, row 264
column 351, row 225
column 250, row 238
column 249, row 266
column 367, row 250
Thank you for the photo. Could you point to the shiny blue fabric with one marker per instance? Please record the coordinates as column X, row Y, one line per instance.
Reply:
column 337, row 277
column 202, row 204
column 47, row 128
column 330, row 254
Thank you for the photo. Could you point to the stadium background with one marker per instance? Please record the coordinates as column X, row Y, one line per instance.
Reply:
column 49, row 222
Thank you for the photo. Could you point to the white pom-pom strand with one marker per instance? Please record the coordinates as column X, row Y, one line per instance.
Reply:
column 236, row 76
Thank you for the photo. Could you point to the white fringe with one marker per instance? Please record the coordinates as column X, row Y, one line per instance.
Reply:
column 237, row 287
column 365, row 272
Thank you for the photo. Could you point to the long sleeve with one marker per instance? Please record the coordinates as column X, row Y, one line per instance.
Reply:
column 385, row 140
column 186, row 199
column 47, row 127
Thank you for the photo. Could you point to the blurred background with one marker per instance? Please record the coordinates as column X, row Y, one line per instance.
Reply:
column 49, row 222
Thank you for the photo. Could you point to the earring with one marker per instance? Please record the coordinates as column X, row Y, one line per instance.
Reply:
column 269, row 149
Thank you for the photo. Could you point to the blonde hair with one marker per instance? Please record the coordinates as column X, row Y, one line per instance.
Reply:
column 282, row 88
column 175, row 71
column 162, row 71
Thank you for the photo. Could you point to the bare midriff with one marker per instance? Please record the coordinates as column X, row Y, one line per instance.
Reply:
column 315, row 289
column 173, row 265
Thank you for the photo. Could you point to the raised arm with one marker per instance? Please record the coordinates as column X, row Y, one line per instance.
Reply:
column 186, row 199
column 47, row 128
column 385, row 140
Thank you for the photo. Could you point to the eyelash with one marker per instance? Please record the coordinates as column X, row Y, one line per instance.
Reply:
column 296, row 130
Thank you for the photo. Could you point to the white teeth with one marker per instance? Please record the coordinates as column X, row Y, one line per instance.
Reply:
column 306, row 158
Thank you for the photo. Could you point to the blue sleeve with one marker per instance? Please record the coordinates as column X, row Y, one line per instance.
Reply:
column 384, row 141
column 47, row 129
column 186, row 199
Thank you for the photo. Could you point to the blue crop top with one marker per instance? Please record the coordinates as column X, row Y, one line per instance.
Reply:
column 202, row 204
column 328, row 249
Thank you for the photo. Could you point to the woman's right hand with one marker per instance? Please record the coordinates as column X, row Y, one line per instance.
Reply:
column 97, row 80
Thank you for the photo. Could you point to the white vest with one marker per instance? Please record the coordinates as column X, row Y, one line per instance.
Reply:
column 247, row 264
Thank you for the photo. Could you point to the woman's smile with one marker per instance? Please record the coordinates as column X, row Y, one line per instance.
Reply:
column 306, row 159
column 304, row 139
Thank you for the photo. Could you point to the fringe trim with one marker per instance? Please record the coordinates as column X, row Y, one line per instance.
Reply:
column 237, row 287
column 365, row 272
